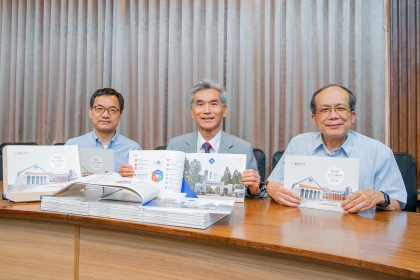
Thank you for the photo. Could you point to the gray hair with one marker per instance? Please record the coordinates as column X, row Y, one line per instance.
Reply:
column 209, row 84
column 352, row 98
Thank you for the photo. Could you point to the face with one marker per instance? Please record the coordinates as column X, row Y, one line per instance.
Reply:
column 333, row 126
column 105, row 122
column 208, row 110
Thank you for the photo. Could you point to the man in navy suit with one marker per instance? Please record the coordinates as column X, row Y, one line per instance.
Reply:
column 208, row 108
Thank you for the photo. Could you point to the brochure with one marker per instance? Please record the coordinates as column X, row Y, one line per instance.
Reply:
column 321, row 182
column 113, row 187
column 210, row 176
column 30, row 172
column 96, row 161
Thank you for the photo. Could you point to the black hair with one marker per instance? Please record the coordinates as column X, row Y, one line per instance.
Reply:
column 108, row 91
column 352, row 98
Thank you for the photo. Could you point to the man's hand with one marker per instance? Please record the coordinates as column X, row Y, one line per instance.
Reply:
column 363, row 200
column 126, row 170
column 251, row 178
column 282, row 195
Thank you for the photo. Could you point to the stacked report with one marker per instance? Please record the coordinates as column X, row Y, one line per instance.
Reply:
column 185, row 211
column 121, row 210
column 70, row 204
column 111, row 196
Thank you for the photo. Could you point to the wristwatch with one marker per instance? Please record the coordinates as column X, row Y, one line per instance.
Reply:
column 386, row 196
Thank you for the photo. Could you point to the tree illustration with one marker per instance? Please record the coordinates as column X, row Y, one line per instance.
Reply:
column 193, row 174
column 187, row 170
column 227, row 177
column 237, row 180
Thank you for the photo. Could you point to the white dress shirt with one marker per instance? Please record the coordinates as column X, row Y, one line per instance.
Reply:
column 214, row 142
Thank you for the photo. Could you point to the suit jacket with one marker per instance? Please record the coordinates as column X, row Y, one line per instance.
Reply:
column 229, row 144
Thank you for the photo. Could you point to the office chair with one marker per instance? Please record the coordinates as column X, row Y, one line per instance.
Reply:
column 160, row 148
column 260, row 157
column 1, row 153
column 407, row 166
column 277, row 156
column 58, row 144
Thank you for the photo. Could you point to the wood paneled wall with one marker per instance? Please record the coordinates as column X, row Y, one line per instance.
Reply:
column 405, row 78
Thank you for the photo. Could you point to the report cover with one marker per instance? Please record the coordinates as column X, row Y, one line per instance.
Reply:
column 33, row 171
column 96, row 161
column 321, row 182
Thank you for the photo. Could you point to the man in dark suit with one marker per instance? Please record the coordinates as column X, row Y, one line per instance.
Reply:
column 208, row 108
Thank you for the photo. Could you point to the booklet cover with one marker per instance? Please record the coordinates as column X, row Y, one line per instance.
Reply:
column 96, row 161
column 33, row 171
column 321, row 182
column 215, row 176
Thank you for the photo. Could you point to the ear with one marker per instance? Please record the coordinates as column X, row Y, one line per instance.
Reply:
column 192, row 112
column 120, row 117
column 90, row 113
column 225, row 109
column 313, row 119
column 353, row 116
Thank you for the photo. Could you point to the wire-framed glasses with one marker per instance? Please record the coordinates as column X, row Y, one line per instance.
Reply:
column 340, row 110
column 100, row 110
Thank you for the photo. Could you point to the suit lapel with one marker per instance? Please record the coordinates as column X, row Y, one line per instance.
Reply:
column 191, row 143
column 225, row 143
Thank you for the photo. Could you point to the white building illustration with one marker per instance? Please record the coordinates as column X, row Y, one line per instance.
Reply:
column 35, row 175
column 311, row 190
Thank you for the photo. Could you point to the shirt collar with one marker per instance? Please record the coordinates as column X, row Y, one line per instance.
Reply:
column 214, row 142
column 346, row 145
column 110, row 142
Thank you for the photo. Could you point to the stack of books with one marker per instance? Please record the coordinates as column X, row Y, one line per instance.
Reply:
column 97, row 195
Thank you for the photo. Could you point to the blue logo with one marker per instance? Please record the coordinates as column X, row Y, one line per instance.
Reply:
column 211, row 161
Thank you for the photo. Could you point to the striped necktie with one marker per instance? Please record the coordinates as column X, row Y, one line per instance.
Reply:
column 206, row 146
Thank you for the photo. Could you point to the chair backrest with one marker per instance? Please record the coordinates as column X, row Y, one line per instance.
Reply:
column 407, row 166
column 277, row 156
column 260, row 157
column 1, row 153
column 160, row 148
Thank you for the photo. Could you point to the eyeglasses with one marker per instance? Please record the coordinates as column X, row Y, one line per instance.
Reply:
column 340, row 110
column 100, row 110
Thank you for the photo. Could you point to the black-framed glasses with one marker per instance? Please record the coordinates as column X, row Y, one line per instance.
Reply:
column 100, row 110
column 340, row 110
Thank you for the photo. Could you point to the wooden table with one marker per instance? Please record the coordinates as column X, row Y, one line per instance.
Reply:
column 259, row 240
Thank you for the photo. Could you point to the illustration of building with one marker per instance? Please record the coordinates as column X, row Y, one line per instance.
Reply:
column 35, row 175
column 311, row 190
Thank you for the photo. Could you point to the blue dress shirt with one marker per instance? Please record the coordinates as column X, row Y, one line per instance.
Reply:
column 120, row 144
column 378, row 168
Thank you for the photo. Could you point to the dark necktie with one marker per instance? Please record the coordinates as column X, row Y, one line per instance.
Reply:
column 206, row 146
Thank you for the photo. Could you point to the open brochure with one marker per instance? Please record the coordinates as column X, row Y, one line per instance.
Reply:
column 321, row 182
column 210, row 176
column 29, row 172
column 112, row 187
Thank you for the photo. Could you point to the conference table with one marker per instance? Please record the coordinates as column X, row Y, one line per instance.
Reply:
column 259, row 240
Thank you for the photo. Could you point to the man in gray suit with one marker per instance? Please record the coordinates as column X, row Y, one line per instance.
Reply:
column 208, row 108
